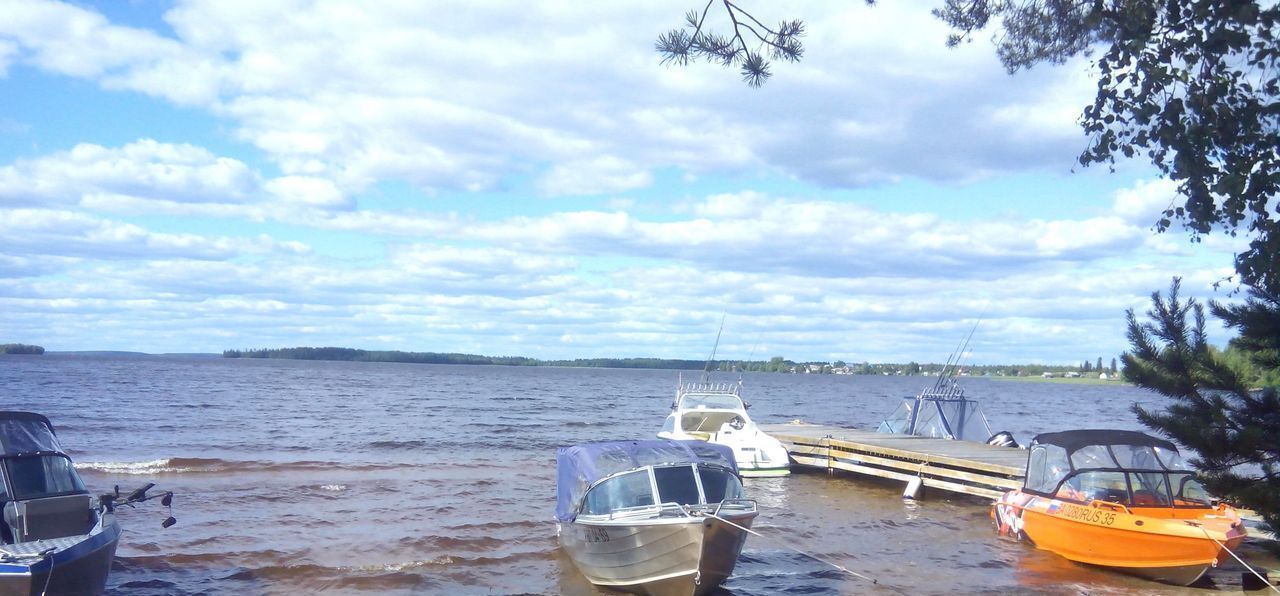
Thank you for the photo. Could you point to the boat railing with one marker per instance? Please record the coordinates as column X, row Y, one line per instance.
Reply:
column 951, row 392
column 1112, row 505
column 710, row 388
column 674, row 509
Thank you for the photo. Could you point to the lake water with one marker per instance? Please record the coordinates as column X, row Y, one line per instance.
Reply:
column 377, row 478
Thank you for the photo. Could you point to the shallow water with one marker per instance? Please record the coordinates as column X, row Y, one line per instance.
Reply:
column 296, row 477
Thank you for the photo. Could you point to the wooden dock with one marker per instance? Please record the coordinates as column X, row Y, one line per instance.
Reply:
column 957, row 466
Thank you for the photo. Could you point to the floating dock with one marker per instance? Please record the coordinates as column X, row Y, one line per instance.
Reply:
column 964, row 467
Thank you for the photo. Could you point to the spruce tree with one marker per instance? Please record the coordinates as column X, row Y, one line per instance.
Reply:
column 1231, row 425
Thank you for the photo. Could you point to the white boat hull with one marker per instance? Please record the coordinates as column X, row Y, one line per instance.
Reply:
column 659, row 557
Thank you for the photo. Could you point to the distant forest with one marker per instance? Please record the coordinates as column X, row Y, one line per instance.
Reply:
column 20, row 349
column 775, row 364
column 354, row 355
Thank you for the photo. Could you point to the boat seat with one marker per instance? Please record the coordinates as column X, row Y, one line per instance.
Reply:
column 49, row 517
column 699, row 435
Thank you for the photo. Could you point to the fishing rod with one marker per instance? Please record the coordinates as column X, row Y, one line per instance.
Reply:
column 954, row 359
column 706, row 369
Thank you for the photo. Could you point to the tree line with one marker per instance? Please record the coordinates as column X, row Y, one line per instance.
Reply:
column 776, row 364
column 20, row 349
column 357, row 355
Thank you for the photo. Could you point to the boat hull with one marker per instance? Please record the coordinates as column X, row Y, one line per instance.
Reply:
column 79, row 566
column 1174, row 546
column 676, row 556
column 762, row 472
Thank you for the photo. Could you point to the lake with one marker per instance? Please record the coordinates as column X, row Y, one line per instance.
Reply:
column 382, row 478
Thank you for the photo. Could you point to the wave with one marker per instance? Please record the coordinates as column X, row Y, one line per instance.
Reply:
column 402, row 445
column 197, row 465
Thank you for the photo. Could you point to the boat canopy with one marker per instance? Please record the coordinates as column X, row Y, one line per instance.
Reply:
column 25, row 433
column 1120, row 458
column 580, row 466
column 1073, row 440
column 939, row 415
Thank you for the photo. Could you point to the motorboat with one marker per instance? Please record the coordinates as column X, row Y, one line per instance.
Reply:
column 1122, row 500
column 716, row 413
column 54, row 538
column 655, row 517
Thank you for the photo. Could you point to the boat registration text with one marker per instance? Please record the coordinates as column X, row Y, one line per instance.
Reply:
column 1089, row 515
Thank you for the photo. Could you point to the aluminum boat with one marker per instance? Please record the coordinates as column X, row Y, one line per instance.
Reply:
column 1122, row 500
column 54, row 537
column 716, row 413
column 655, row 517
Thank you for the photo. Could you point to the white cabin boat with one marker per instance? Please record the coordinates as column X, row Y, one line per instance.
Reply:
column 656, row 517
column 716, row 413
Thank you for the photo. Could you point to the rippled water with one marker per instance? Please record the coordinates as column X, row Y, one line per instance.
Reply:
column 296, row 477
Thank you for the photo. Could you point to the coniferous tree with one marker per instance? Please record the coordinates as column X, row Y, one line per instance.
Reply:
column 1232, row 427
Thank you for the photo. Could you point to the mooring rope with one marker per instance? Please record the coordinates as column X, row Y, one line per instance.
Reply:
column 807, row 554
column 1237, row 557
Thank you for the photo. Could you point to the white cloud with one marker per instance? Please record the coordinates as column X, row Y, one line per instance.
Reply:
column 593, row 176
column 145, row 169
column 360, row 95
column 1143, row 203
column 45, row 232
column 307, row 190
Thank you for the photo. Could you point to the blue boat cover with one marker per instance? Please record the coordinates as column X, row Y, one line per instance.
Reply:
column 24, row 433
column 579, row 466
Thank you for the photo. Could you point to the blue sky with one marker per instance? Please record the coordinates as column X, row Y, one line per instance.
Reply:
column 526, row 179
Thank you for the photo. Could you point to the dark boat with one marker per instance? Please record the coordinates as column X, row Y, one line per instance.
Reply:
column 55, row 538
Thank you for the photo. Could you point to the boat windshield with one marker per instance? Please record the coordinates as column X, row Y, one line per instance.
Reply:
column 1135, row 489
column 36, row 476
column 623, row 491
column 699, row 401
column 680, row 484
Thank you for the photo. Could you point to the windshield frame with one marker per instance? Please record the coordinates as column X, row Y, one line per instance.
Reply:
column 655, row 493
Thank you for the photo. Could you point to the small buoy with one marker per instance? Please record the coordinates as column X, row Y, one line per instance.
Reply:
column 913, row 488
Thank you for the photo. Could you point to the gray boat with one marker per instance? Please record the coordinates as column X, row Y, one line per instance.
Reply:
column 657, row 517
column 54, row 537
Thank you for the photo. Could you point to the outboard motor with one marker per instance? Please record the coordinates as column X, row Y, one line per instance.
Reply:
column 1003, row 438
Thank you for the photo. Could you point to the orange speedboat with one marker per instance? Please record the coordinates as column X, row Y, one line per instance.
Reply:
column 1122, row 500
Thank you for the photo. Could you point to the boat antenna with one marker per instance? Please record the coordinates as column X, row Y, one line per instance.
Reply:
column 706, row 369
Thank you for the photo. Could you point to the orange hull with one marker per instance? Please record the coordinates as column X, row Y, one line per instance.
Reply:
column 1164, row 544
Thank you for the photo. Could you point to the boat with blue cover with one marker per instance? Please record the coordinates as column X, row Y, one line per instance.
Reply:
column 55, row 538
column 656, row 517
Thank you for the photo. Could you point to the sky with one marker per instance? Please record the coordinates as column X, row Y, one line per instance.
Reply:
column 526, row 178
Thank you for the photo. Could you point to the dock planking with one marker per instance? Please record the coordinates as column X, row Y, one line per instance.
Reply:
column 963, row 467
